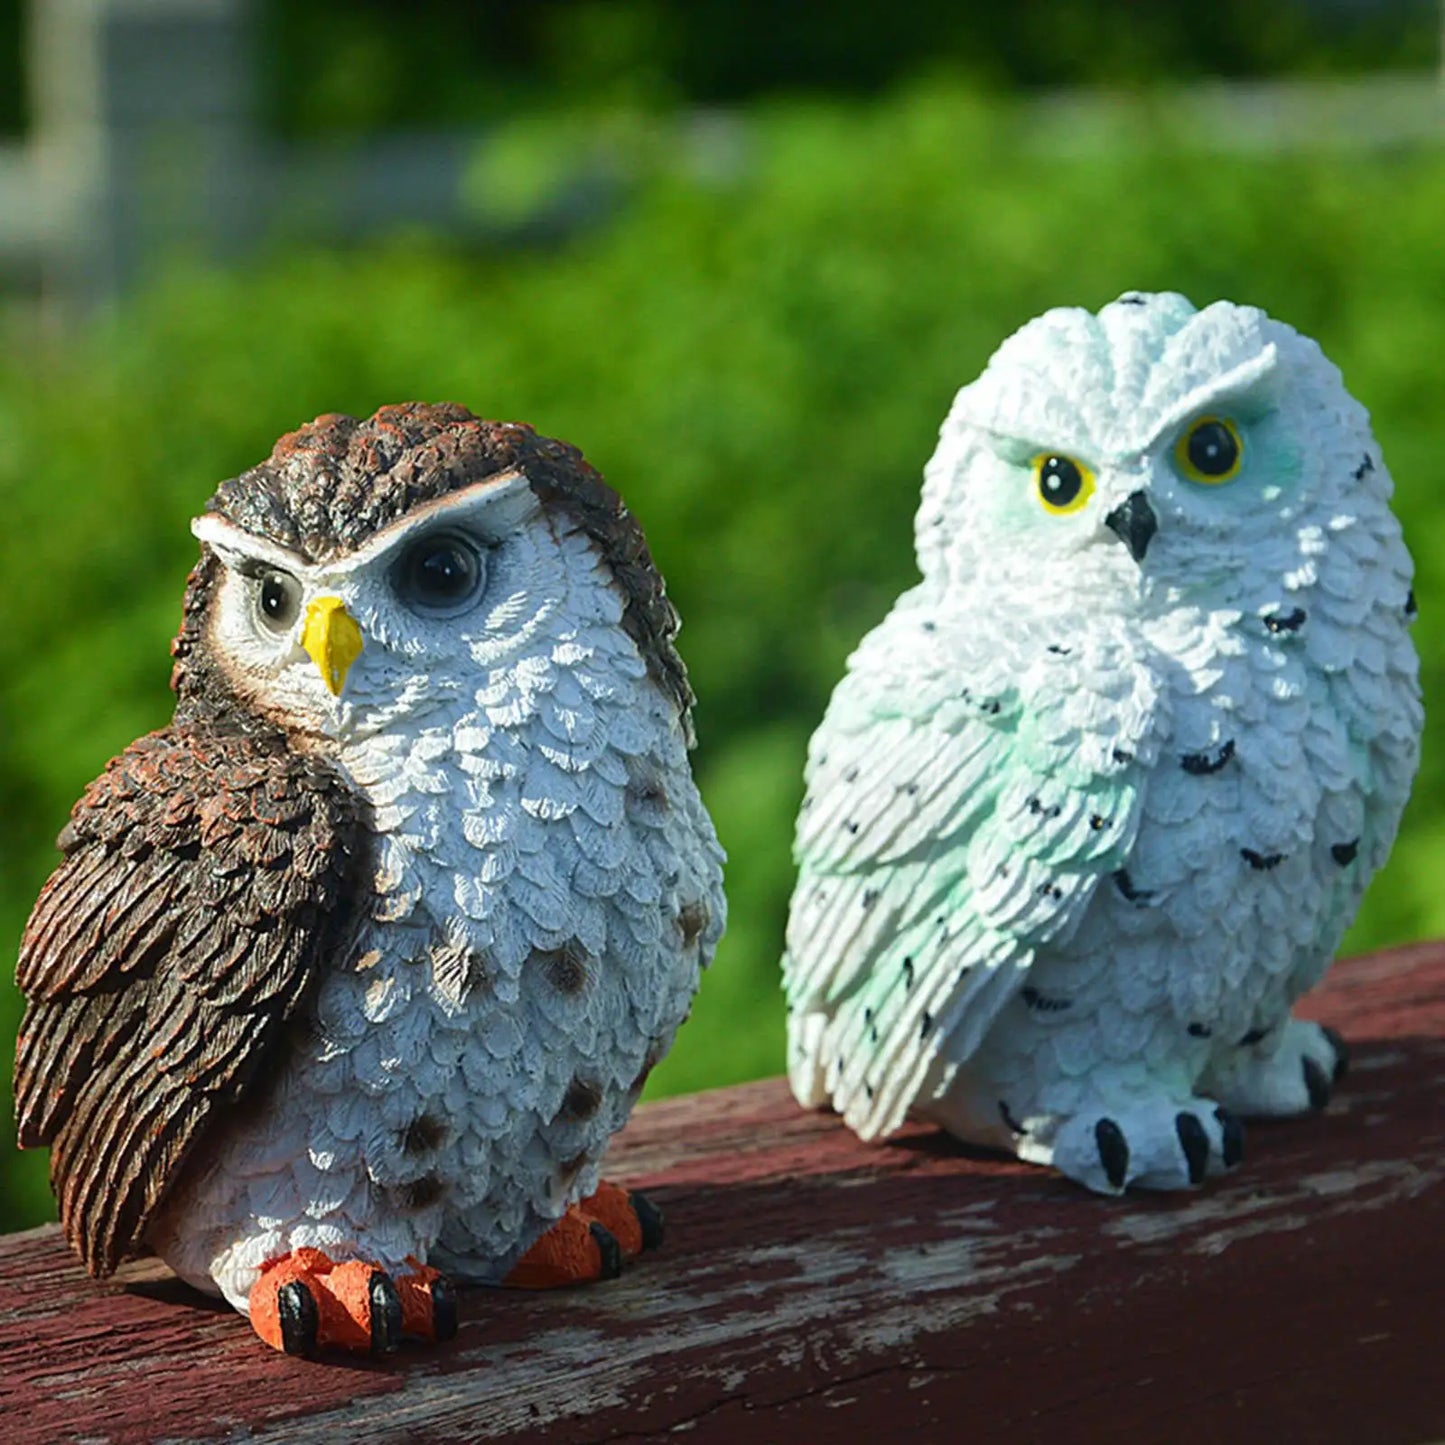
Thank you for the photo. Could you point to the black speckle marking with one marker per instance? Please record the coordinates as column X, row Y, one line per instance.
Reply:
column 1411, row 608
column 581, row 1101
column 1365, row 467
column 1125, row 885
column 692, row 918
column 908, row 972
column 420, row 1193
column 1113, row 1150
column 423, row 1134
column 1059, row 651
column 1132, row 298
column 1195, row 1144
column 1051, row 891
column 851, row 826
column 1009, row 1122
column 1201, row 764
column 1123, row 756
column 910, row 788
column 645, row 789
column 1261, row 862
column 1252, row 1037
column 851, row 776
column 1231, row 1138
column 925, row 1025
column 868, row 1088
column 870, row 897
column 1344, row 853
column 1044, row 810
column 1097, row 822
column 1199, row 1031
column 991, row 706
column 1277, row 622
column 867, row 1015
column 564, row 968
column 1042, row 1002
column 929, row 626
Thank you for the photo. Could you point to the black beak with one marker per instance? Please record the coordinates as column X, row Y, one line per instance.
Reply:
column 1133, row 522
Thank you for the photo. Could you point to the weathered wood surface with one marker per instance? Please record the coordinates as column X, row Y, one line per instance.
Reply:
column 814, row 1289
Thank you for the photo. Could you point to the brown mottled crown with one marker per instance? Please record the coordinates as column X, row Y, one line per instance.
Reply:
column 330, row 486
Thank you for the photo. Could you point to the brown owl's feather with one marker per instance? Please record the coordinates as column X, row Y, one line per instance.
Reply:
column 209, row 876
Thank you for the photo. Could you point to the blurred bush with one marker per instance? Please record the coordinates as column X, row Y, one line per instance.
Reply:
column 758, row 355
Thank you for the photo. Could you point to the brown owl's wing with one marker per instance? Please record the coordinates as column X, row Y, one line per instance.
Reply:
column 208, row 879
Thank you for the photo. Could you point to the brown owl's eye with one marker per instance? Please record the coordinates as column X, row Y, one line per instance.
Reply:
column 440, row 573
column 278, row 601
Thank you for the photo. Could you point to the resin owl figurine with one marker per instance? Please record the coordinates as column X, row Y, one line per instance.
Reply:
column 1096, row 801
column 350, row 973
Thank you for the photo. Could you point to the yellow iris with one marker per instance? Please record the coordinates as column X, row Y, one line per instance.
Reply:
column 1063, row 484
column 1209, row 451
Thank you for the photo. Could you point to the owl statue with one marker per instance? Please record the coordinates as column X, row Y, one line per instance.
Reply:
column 349, row 974
column 1096, row 801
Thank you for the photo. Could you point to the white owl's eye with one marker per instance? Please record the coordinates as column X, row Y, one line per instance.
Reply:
column 1209, row 451
column 440, row 573
column 1063, row 485
column 278, row 601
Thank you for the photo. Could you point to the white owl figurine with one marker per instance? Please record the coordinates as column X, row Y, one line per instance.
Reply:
column 350, row 973
column 1095, row 803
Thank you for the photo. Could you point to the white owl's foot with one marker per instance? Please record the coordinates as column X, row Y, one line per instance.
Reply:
column 305, row 1302
column 1290, row 1070
column 1151, row 1144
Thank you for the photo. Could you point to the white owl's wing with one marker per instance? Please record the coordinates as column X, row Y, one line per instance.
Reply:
column 965, row 797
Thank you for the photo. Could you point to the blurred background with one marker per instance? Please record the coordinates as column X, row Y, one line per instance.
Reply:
column 742, row 252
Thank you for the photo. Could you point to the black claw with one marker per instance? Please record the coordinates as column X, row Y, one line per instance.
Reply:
column 609, row 1249
column 1231, row 1142
column 296, row 1307
column 1195, row 1144
column 649, row 1216
column 1316, row 1082
column 443, row 1309
column 385, row 1314
column 1113, row 1151
column 1342, row 1052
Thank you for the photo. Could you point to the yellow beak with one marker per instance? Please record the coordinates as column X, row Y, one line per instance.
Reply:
column 333, row 639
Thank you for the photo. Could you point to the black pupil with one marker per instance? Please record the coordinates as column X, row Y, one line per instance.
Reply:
column 276, row 599
column 1212, row 449
column 1059, row 481
column 444, row 572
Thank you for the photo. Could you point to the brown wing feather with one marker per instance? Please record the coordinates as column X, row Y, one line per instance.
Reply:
column 209, row 877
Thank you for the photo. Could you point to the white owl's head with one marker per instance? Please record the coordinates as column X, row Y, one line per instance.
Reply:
column 1141, row 448
column 371, row 571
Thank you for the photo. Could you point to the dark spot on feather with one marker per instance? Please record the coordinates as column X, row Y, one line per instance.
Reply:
column 1411, row 610
column 1199, row 1031
column 1132, row 298
column 851, row 776
column 870, row 897
column 1201, row 764
column 1366, row 466
column 1277, row 622
column 420, row 1193
column 423, row 1134
column 1042, row 811
column 692, row 918
column 868, row 1089
column 1123, row 756
column 925, row 1025
column 1044, row 1003
column 565, row 968
column 1344, row 853
column 910, row 788
column 1252, row 1037
column 1097, row 823
column 851, row 826
column 929, row 626
column 908, row 972
column 1059, row 651
column 1051, row 891
column 1125, row 885
column 867, row 1015
column 1009, row 1122
column 581, row 1101
column 1261, row 862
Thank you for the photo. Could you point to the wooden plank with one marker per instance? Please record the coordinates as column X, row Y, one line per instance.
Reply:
column 816, row 1289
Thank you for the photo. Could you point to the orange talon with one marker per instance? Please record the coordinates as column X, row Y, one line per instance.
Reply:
column 304, row 1301
column 590, row 1241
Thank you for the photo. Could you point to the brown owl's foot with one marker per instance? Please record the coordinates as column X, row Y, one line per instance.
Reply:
column 304, row 1302
column 590, row 1241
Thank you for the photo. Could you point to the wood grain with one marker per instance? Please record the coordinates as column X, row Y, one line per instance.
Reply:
column 814, row 1289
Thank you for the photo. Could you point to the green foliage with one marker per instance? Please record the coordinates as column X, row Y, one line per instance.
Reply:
column 760, row 360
